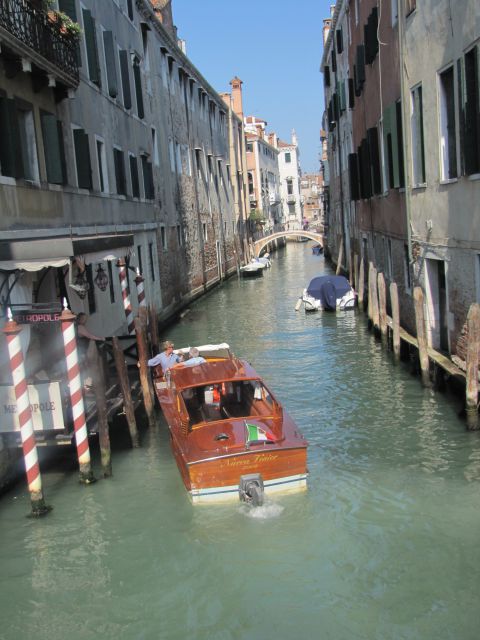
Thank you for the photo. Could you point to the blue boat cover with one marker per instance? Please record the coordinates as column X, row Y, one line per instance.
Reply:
column 327, row 289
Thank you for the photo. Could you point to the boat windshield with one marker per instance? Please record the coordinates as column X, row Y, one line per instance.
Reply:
column 222, row 401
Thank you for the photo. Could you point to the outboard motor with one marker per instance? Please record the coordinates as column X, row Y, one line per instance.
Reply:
column 251, row 490
column 329, row 296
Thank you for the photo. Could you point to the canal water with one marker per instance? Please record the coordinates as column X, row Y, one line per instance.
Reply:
column 383, row 545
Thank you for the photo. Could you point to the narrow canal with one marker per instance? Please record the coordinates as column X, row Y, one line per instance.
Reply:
column 383, row 545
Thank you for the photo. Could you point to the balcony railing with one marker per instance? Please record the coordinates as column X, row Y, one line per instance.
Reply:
column 33, row 35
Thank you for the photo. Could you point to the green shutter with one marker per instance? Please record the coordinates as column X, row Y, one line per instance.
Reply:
column 127, row 99
column 91, row 46
column 119, row 172
column 109, row 47
column 51, row 146
column 82, row 157
column 390, row 129
column 10, row 145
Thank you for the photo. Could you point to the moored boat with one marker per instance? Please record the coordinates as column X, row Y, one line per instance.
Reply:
column 230, row 436
column 253, row 268
column 329, row 293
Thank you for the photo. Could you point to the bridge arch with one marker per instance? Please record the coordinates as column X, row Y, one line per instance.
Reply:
column 260, row 244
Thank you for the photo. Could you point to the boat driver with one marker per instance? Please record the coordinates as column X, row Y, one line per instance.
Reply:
column 166, row 359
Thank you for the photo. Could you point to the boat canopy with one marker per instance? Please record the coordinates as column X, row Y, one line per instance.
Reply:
column 328, row 289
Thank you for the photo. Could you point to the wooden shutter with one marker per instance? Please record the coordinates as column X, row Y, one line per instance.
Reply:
column 353, row 176
column 334, row 61
column 91, row 46
column 127, row 98
column 109, row 46
column 138, row 89
column 148, row 178
column 82, row 157
column 376, row 179
column 134, row 177
column 351, row 93
column 326, row 75
column 461, row 113
column 53, row 147
column 471, row 114
column 10, row 146
column 372, row 32
column 339, row 35
column 360, row 65
column 399, row 140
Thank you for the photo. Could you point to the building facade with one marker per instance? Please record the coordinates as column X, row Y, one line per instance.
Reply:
column 312, row 195
column 290, row 175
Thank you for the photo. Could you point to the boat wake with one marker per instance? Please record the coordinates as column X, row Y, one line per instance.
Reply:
column 266, row 511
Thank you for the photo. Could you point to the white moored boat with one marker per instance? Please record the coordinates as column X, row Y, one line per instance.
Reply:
column 329, row 293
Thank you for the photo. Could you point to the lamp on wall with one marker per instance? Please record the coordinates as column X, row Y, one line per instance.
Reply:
column 80, row 285
column 101, row 279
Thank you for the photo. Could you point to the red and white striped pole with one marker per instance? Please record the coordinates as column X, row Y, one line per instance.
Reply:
column 76, row 395
column 139, row 280
column 127, row 305
column 27, row 434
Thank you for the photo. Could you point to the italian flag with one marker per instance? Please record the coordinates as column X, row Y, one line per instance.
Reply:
column 255, row 434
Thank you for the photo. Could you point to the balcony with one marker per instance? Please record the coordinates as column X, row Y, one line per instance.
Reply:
column 291, row 199
column 31, row 42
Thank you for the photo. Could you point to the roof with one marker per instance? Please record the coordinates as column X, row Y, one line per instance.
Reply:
column 212, row 372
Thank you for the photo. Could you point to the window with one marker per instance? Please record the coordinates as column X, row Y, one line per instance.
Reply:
column 134, row 176
column 28, row 145
column 288, row 158
column 137, row 78
column 418, row 151
column 163, row 238
column 151, row 262
column 139, row 256
column 91, row 47
column 119, row 171
column 110, row 65
column 148, row 185
column 204, row 231
column 82, row 159
column 178, row 158
column 52, row 144
column 289, row 186
column 394, row 12
column 102, row 166
column 156, row 158
column 179, row 235
column 130, row 9
column 448, row 151
column 171, row 153
column 198, row 162
column 249, row 147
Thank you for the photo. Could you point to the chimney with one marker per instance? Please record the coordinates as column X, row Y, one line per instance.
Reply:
column 294, row 137
column 236, row 84
column 327, row 24
column 163, row 11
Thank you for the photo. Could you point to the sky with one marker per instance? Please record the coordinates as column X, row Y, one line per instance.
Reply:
column 275, row 47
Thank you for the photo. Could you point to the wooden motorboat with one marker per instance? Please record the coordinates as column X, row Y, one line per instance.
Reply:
column 253, row 268
column 230, row 436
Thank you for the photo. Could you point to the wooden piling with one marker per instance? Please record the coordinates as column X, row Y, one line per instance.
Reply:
column 382, row 305
column 473, row 345
column 355, row 271
column 340, row 258
column 374, row 300
column 96, row 368
column 351, row 269
column 370, row 286
column 395, row 319
column 153, row 327
column 421, row 335
column 129, row 409
column 361, row 284
column 147, row 390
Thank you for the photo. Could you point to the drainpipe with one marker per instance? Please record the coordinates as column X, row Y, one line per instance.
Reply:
column 404, row 101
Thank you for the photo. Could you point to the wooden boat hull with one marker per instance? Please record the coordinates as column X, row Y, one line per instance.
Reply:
column 217, row 479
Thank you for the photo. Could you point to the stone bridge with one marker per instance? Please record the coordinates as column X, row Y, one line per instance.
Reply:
column 259, row 245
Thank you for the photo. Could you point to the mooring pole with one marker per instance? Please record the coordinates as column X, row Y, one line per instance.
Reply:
column 76, row 395
column 127, row 305
column 473, row 345
column 361, row 284
column 144, row 372
column 139, row 282
column 374, row 300
column 98, row 376
column 421, row 336
column 395, row 319
column 382, row 304
column 27, row 434
column 122, row 371
column 340, row 258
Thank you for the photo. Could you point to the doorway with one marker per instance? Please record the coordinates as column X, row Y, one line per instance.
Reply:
column 436, row 302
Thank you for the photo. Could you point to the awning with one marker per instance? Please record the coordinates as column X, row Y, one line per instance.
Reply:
column 33, row 255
